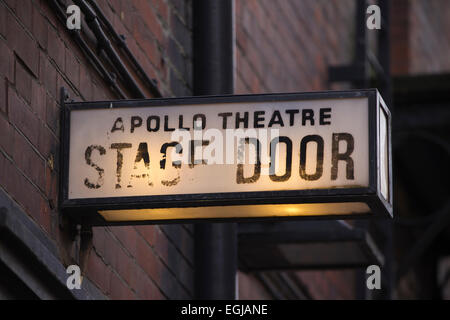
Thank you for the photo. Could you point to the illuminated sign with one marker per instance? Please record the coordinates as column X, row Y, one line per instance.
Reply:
column 227, row 157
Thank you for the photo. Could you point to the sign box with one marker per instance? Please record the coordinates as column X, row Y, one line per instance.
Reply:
column 321, row 154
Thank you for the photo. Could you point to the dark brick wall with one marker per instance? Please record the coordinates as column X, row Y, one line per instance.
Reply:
column 287, row 45
column 429, row 36
column 250, row 288
column 400, row 30
column 38, row 57
column 420, row 40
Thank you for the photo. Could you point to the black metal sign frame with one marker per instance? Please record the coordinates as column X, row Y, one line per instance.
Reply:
column 85, row 211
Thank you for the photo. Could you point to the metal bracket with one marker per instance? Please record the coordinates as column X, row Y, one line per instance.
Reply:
column 65, row 222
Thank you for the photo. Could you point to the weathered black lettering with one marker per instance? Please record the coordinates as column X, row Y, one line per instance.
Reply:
column 136, row 122
column 164, row 147
column 101, row 171
column 180, row 123
column 257, row 118
column 225, row 116
column 336, row 156
column 319, row 161
column 142, row 154
column 276, row 119
column 119, row 147
column 325, row 113
column 273, row 145
column 149, row 123
column 243, row 120
column 307, row 114
column 118, row 125
column 240, row 167
column 175, row 164
column 196, row 118
column 166, row 124
column 292, row 114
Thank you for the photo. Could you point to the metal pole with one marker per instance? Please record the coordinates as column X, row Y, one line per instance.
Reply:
column 215, row 244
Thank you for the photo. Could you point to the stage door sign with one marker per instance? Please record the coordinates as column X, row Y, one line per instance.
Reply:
column 227, row 157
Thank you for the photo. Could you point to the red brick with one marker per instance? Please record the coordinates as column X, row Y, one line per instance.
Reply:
column 146, row 258
column 150, row 19
column 250, row 288
column 24, row 46
column 114, row 255
column 56, row 48
column 125, row 267
column 23, row 81
column 85, row 83
column 98, row 239
column 99, row 92
column 3, row 166
column 119, row 290
column 98, row 272
column 45, row 218
column 48, row 144
column 49, row 13
column 3, row 20
column 162, row 9
column 22, row 191
column 147, row 42
column 6, row 136
column 51, row 185
column 7, row 65
column 72, row 68
column 52, row 114
column 151, row 61
column 11, row 4
column 110, row 250
column 127, row 236
column 169, row 283
column 25, row 13
column 106, row 9
column 28, row 160
column 48, row 75
column 148, row 233
column 161, row 245
column 38, row 99
column 127, row 14
column 3, row 96
column 62, row 82
column 241, row 86
column 146, row 288
column 22, row 117
column 40, row 28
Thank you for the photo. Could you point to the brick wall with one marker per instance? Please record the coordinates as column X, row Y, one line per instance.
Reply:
column 420, row 37
column 287, row 46
column 400, row 30
column 37, row 57
column 429, row 36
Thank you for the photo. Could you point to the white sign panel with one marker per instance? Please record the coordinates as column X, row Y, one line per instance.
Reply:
column 225, row 146
column 118, row 152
